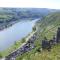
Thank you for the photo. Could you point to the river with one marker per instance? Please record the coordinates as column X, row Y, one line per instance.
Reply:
column 16, row 32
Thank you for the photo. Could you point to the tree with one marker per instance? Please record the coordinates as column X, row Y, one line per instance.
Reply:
column 1, row 55
column 23, row 40
column 34, row 28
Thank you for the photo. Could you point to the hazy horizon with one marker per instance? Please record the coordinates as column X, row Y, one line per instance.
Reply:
column 51, row 4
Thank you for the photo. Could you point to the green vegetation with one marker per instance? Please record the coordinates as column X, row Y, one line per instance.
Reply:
column 9, row 16
column 23, row 40
column 47, row 27
column 1, row 55
column 16, row 45
column 11, row 48
column 34, row 28
column 44, row 55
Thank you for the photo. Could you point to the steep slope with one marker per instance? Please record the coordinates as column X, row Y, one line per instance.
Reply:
column 45, row 27
column 49, row 25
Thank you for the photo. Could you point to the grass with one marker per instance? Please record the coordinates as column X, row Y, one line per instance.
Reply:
column 5, row 16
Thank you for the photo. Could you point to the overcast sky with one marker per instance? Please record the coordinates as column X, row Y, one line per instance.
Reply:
column 53, row 4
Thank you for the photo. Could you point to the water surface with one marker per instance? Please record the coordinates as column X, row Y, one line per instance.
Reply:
column 16, row 32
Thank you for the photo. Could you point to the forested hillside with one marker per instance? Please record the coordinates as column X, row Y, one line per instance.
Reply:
column 46, row 27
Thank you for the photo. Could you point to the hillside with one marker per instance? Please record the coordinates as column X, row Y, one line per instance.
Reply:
column 9, row 16
column 46, row 27
column 49, row 24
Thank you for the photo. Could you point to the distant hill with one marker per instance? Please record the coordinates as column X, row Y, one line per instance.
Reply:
column 9, row 16
column 21, row 13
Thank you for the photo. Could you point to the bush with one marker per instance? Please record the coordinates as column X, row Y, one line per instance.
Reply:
column 1, row 55
column 34, row 28
column 23, row 40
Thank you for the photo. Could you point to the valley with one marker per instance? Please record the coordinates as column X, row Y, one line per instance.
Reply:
column 29, row 34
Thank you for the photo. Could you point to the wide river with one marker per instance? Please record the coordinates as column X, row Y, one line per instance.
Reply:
column 16, row 32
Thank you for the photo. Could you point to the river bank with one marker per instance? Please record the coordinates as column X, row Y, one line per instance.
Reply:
column 16, row 45
column 25, row 47
column 15, row 33
column 7, row 24
column 14, row 48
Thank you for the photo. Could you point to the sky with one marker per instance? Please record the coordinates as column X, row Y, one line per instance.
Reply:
column 52, row 4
